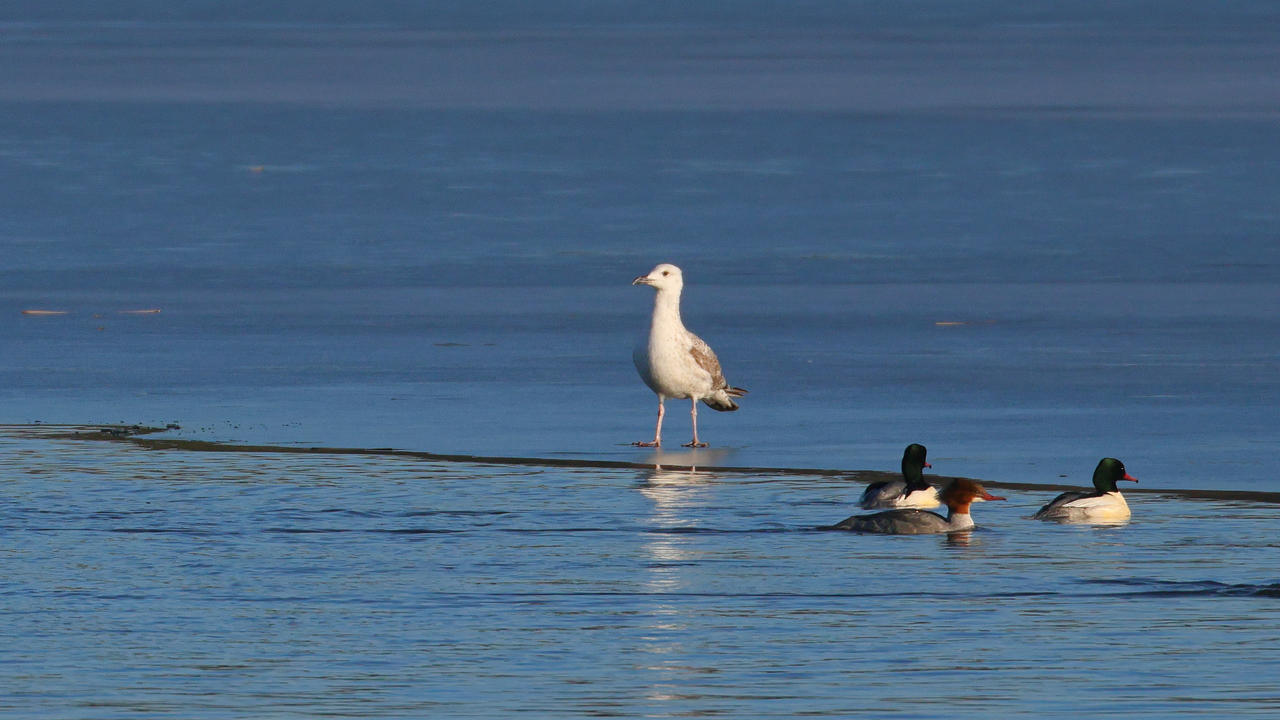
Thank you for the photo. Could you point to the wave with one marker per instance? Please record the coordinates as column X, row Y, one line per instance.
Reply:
column 1150, row 587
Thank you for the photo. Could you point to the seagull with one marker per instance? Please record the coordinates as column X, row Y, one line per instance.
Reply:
column 674, row 362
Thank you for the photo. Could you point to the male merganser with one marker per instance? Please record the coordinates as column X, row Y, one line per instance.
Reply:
column 1105, row 504
column 674, row 362
column 910, row 492
column 956, row 496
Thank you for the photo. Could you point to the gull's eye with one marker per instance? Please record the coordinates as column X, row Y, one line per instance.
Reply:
column 666, row 273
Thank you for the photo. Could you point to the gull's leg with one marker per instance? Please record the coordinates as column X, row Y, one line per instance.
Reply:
column 693, row 415
column 657, row 432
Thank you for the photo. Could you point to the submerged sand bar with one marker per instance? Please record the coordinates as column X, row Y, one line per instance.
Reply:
column 145, row 437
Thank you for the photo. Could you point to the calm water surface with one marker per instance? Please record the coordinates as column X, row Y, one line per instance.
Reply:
column 1022, row 296
column 215, row 585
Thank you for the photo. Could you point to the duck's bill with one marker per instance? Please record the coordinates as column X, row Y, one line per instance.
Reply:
column 1129, row 477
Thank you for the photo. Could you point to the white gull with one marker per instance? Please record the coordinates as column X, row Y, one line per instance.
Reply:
column 674, row 362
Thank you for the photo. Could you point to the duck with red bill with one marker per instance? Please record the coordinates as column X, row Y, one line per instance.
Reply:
column 1104, row 504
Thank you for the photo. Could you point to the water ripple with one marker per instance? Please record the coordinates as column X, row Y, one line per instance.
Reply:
column 348, row 586
column 1190, row 588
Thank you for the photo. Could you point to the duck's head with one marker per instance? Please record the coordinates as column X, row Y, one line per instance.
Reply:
column 914, row 465
column 664, row 277
column 914, row 457
column 959, row 493
column 1109, row 472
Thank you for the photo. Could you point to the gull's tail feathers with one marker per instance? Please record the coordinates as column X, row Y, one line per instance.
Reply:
column 722, row 400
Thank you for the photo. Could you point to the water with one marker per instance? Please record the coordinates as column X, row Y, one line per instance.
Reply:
column 510, row 333
column 189, row 584
column 459, row 282
column 1025, row 235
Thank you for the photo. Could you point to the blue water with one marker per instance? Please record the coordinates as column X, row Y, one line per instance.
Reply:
column 183, row 584
column 1028, row 235
column 459, row 282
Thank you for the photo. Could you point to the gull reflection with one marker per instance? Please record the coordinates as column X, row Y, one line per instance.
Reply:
column 685, row 457
column 676, row 496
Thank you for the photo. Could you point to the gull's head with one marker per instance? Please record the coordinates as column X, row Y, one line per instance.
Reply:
column 664, row 277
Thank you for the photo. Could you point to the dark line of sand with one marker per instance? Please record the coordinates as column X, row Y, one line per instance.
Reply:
column 138, row 435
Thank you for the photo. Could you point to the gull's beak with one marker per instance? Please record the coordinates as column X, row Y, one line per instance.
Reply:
column 642, row 280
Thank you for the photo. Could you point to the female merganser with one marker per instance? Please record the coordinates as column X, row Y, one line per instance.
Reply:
column 910, row 492
column 956, row 496
column 1105, row 504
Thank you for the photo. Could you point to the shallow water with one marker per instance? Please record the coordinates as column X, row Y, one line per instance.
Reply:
column 216, row 585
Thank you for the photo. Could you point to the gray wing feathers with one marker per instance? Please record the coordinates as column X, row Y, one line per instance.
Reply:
column 722, row 393
column 1054, row 507
column 706, row 359
column 896, row 522
column 882, row 494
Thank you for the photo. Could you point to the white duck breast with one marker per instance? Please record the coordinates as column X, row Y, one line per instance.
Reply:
column 1085, row 506
column 893, row 494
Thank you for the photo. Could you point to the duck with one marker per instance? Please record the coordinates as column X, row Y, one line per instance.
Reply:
column 674, row 362
column 957, row 496
column 910, row 492
column 1104, row 504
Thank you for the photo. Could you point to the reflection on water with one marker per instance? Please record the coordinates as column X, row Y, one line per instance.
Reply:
column 1083, row 520
column 301, row 585
column 687, row 458
column 674, row 488
column 675, row 495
